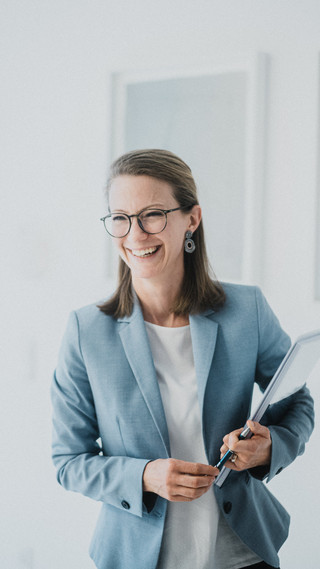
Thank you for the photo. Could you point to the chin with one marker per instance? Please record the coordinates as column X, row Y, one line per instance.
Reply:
column 143, row 274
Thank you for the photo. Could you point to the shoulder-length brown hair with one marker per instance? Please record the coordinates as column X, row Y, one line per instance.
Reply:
column 199, row 290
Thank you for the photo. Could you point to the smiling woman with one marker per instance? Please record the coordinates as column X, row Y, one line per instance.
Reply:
column 148, row 373
column 158, row 179
column 153, row 258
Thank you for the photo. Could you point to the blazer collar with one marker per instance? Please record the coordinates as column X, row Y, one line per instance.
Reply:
column 204, row 330
column 136, row 345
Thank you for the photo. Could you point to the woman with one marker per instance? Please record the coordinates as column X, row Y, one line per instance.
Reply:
column 163, row 374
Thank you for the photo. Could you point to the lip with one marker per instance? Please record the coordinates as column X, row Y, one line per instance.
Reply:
column 143, row 258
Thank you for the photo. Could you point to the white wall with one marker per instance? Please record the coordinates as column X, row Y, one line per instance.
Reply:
column 55, row 75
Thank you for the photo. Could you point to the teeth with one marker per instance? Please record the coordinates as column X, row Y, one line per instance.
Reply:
column 144, row 252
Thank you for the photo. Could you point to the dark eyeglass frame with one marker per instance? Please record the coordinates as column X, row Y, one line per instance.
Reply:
column 137, row 215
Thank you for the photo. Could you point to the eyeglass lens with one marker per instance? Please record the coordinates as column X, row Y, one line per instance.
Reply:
column 152, row 221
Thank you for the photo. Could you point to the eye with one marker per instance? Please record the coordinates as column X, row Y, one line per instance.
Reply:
column 118, row 217
column 152, row 213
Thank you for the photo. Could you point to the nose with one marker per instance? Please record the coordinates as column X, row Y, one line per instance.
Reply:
column 135, row 231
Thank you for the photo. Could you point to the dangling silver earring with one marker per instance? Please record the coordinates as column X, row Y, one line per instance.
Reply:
column 189, row 244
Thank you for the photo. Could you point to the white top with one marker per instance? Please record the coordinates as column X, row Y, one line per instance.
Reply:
column 191, row 528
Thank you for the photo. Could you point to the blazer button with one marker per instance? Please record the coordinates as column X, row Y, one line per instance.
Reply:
column 125, row 505
column 227, row 506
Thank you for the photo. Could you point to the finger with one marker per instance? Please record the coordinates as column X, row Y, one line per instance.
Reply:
column 258, row 429
column 196, row 469
column 223, row 449
column 234, row 440
column 195, row 481
column 194, row 494
column 237, row 461
column 181, row 498
column 226, row 438
column 234, row 465
column 190, row 493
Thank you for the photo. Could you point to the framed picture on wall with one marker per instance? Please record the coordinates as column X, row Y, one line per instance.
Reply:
column 214, row 119
column 317, row 226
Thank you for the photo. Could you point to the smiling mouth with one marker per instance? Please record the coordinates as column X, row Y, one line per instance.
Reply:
column 144, row 252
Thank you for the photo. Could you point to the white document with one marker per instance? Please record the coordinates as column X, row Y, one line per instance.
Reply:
column 291, row 375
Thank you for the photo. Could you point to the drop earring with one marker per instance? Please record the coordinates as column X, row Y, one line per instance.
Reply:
column 189, row 244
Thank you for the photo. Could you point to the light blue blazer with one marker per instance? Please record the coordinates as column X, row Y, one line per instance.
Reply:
column 105, row 387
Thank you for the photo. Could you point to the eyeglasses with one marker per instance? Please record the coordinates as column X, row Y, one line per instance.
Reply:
column 151, row 221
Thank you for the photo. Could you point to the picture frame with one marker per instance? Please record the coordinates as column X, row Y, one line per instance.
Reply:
column 214, row 118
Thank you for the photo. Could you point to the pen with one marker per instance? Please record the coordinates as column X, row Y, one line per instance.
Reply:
column 245, row 434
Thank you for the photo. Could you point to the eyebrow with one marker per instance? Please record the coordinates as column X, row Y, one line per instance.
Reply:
column 152, row 206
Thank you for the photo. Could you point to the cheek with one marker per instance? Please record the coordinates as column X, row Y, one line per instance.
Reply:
column 178, row 239
column 118, row 245
column 175, row 246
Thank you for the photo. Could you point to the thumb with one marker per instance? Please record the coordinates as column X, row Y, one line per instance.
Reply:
column 256, row 428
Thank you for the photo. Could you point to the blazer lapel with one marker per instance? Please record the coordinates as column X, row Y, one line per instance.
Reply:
column 203, row 335
column 137, row 349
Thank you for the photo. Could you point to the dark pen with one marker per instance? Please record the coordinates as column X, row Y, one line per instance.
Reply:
column 246, row 434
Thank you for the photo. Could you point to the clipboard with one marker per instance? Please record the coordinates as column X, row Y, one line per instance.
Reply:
column 291, row 375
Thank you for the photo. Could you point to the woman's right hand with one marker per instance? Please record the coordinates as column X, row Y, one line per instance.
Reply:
column 177, row 480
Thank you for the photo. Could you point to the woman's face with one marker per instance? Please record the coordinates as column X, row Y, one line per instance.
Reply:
column 157, row 256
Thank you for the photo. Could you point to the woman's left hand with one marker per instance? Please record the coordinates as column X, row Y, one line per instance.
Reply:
column 252, row 452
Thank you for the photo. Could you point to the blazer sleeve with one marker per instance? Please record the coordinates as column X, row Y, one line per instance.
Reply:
column 76, row 454
column 291, row 420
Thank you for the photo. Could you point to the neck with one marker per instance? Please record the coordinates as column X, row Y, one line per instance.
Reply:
column 156, row 301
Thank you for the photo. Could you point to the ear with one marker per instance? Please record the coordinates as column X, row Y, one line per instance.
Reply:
column 195, row 216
